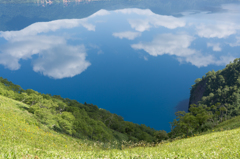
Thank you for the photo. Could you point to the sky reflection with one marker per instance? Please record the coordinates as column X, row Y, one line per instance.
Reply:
column 176, row 40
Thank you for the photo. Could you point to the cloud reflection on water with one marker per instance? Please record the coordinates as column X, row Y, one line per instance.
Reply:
column 127, row 34
column 216, row 30
column 167, row 44
column 215, row 46
column 215, row 25
column 62, row 61
column 58, row 59
column 151, row 19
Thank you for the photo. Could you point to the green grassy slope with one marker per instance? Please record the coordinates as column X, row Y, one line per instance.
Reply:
column 22, row 136
column 229, row 124
column 82, row 121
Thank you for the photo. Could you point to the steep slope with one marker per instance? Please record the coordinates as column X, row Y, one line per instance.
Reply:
column 22, row 136
column 83, row 121
column 221, row 87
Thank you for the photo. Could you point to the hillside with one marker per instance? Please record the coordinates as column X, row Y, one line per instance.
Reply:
column 221, row 87
column 35, row 125
column 214, row 99
column 83, row 121
column 22, row 136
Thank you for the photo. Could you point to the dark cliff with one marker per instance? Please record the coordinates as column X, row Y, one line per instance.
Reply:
column 197, row 92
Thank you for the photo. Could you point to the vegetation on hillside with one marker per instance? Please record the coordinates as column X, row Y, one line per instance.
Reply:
column 22, row 136
column 35, row 125
column 223, row 87
column 220, row 102
column 84, row 121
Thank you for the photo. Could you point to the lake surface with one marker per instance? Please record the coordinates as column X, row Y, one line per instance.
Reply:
column 137, row 59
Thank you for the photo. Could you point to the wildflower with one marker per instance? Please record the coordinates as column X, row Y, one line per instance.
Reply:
column 66, row 146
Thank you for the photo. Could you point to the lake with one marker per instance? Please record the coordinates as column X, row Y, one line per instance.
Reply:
column 137, row 59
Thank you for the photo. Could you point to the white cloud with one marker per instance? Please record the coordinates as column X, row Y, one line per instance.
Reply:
column 147, row 12
column 224, row 60
column 216, row 31
column 24, row 47
column 27, row 42
column 207, row 25
column 9, row 62
column 198, row 59
column 127, row 34
column 201, row 60
column 215, row 46
column 169, row 22
column 178, row 45
column 140, row 25
column 101, row 12
column 56, row 58
column 237, row 43
column 62, row 61
column 151, row 20
column 215, row 24
column 44, row 27
column 88, row 26
column 167, row 44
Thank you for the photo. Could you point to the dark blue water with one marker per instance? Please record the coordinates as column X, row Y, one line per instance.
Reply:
column 135, row 59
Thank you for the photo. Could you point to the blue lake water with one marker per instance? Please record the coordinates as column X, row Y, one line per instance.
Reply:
column 137, row 59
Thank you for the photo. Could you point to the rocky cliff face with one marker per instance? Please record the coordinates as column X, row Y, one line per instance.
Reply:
column 197, row 92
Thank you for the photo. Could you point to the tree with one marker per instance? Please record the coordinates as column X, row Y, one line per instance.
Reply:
column 160, row 135
column 223, row 110
column 184, row 122
column 201, row 114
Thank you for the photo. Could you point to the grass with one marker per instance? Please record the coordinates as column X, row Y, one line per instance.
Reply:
column 21, row 136
column 229, row 124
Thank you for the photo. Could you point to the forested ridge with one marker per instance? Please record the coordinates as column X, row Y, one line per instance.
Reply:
column 84, row 121
column 214, row 98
